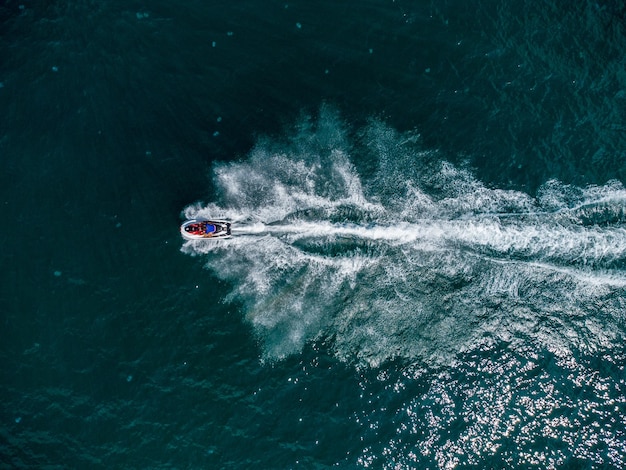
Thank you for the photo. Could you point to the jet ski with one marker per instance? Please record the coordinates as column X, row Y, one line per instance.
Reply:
column 198, row 229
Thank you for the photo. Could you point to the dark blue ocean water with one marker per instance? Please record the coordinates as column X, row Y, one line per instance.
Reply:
column 428, row 267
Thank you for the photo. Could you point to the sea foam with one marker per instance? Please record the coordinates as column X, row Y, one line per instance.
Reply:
column 414, row 259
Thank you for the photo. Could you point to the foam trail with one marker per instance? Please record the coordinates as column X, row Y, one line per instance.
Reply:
column 418, row 259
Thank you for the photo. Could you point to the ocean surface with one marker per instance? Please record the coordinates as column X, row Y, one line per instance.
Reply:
column 428, row 261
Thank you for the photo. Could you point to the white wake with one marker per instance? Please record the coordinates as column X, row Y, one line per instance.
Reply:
column 417, row 259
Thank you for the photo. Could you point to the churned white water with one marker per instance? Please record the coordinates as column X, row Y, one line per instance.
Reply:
column 417, row 258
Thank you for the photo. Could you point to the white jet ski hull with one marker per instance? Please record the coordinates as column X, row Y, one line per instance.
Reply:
column 203, row 229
